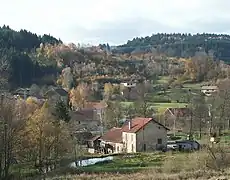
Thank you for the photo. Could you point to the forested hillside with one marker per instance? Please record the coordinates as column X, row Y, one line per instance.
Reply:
column 180, row 45
column 18, row 65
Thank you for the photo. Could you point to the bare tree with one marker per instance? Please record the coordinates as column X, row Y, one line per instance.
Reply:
column 142, row 105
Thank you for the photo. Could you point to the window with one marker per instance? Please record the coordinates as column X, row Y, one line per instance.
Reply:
column 159, row 141
column 132, row 148
column 144, row 147
column 79, row 122
column 159, row 127
column 126, row 138
column 118, row 149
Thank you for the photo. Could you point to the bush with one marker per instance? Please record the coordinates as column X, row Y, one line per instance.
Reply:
column 161, row 99
column 206, row 159
column 185, row 162
column 175, row 138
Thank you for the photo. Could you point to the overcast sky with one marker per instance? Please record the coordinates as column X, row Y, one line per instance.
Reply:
column 115, row 21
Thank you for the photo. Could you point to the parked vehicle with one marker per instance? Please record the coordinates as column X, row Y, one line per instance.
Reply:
column 172, row 146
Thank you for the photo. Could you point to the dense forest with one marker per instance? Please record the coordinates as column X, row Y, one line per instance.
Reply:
column 18, row 65
column 180, row 45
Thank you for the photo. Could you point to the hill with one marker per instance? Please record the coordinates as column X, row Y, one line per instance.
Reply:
column 180, row 45
column 18, row 67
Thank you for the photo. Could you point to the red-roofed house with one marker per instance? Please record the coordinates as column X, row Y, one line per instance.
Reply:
column 137, row 135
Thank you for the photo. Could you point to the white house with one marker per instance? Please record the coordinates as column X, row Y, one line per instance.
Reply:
column 137, row 135
column 209, row 90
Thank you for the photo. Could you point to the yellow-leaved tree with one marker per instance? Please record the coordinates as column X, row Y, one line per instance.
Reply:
column 78, row 96
column 39, row 134
column 108, row 90
column 41, row 137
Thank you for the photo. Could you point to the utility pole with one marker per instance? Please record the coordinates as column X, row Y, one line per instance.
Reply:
column 191, row 116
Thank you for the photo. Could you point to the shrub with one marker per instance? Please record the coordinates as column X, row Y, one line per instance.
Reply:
column 161, row 99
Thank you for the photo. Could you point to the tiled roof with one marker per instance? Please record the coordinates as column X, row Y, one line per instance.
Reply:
column 138, row 123
column 113, row 135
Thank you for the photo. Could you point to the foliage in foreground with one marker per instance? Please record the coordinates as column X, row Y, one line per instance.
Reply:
column 206, row 164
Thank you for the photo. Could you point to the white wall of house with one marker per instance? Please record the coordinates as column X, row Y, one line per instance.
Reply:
column 129, row 140
column 129, row 84
column 151, row 137
column 118, row 147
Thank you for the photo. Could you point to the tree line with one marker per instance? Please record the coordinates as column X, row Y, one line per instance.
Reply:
column 180, row 45
column 19, row 65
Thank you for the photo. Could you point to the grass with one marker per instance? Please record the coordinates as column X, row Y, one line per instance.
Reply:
column 194, row 86
column 168, row 166
column 160, row 107
column 163, row 79
column 150, row 175
column 125, row 164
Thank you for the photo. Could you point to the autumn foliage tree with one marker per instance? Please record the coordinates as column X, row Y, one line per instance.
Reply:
column 39, row 137
column 79, row 95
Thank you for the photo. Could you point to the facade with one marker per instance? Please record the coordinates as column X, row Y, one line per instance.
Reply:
column 90, row 117
column 111, row 141
column 57, row 94
column 209, row 90
column 136, row 135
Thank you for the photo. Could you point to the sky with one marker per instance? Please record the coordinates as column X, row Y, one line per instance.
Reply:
column 115, row 21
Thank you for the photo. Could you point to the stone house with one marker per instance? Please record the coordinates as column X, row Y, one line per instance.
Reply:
column 144, row 134
column 136, row 135
column 90, row 117
column 56, row 94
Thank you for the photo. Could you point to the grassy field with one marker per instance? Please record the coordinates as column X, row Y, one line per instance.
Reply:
column 147, row 166
column 163, row 79
column 160, row 107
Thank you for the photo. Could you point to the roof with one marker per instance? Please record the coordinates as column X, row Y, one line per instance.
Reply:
column 138, row 123
column 95, row 105
column 83, row 115
column 113, row 135
column 95, row 138
column 59, row 91
column 209, row 87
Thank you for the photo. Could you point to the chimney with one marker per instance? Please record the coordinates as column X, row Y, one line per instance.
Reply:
column 130, row 124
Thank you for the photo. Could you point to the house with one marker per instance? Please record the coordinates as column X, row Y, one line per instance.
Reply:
column 86, row 119
column 144, row 134
column 209, row 90
column 136, row 135
column 129, row 84
column 111, row 141
column 93, row 144
column 56, row 94
column 90, row 117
